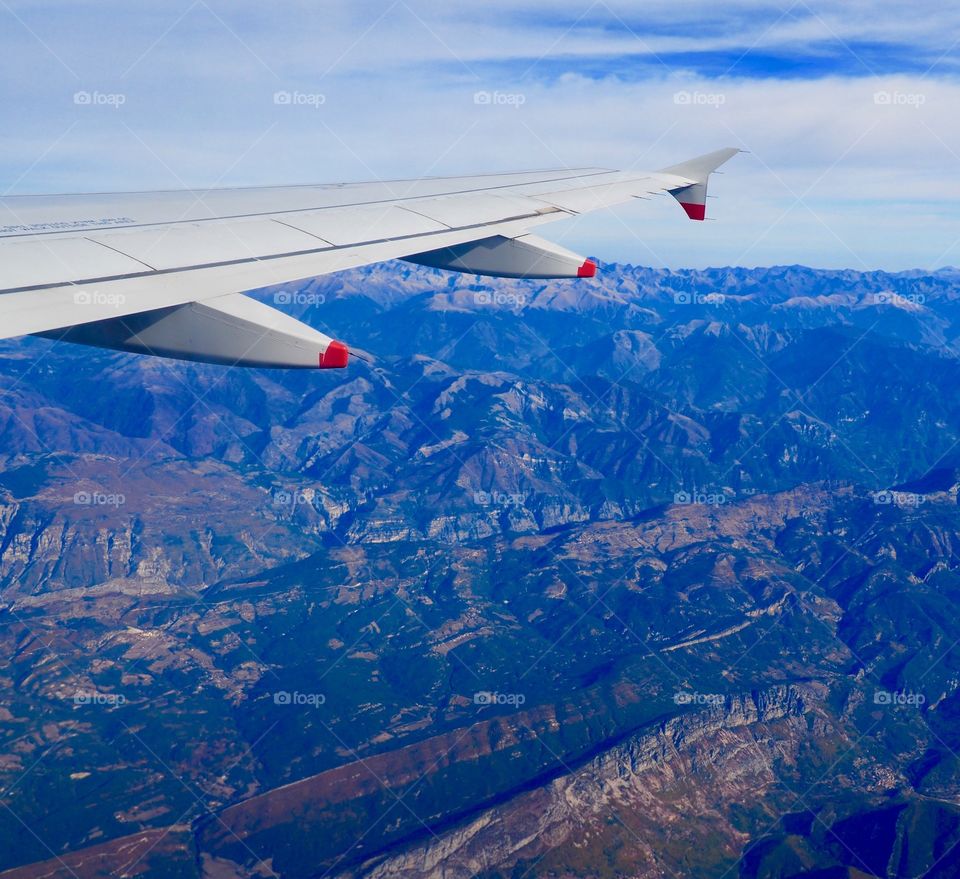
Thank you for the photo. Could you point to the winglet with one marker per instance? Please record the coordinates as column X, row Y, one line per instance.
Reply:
column 692, row 194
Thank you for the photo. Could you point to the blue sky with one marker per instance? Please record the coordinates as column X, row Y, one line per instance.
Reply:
column 848, row 111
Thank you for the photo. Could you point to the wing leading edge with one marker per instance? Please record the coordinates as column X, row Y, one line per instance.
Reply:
column 163, row 272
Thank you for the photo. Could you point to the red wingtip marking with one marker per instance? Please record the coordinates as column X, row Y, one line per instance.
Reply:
column 588, row 269
column 695, row 211
column 335, row 357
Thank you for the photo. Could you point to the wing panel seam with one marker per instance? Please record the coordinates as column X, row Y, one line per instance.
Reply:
column 266, row 258
column 385, row 201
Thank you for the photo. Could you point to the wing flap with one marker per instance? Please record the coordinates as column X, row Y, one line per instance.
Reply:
column 370, row 223
column 475, row 210
column 595, row 198
column 32, row 262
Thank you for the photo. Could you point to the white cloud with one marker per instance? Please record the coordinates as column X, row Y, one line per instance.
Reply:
column 878, row 179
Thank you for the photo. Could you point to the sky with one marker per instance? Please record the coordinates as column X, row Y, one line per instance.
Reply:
column 847, row 112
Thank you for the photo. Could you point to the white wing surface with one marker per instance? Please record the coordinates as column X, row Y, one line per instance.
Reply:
column 162, row 272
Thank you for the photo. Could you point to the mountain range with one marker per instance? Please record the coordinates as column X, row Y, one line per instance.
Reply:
column 651, row 575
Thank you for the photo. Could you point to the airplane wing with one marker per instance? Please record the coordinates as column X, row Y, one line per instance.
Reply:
column 164, row 272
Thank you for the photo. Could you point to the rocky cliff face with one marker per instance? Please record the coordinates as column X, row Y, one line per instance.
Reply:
column 629, row 808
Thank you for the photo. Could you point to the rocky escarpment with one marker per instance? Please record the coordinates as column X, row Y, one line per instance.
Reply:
column 109, row 523
column 642, row 789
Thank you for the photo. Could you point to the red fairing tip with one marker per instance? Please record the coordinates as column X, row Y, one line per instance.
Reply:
column 335, row 357
column 588, row 269
column 695, row 211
